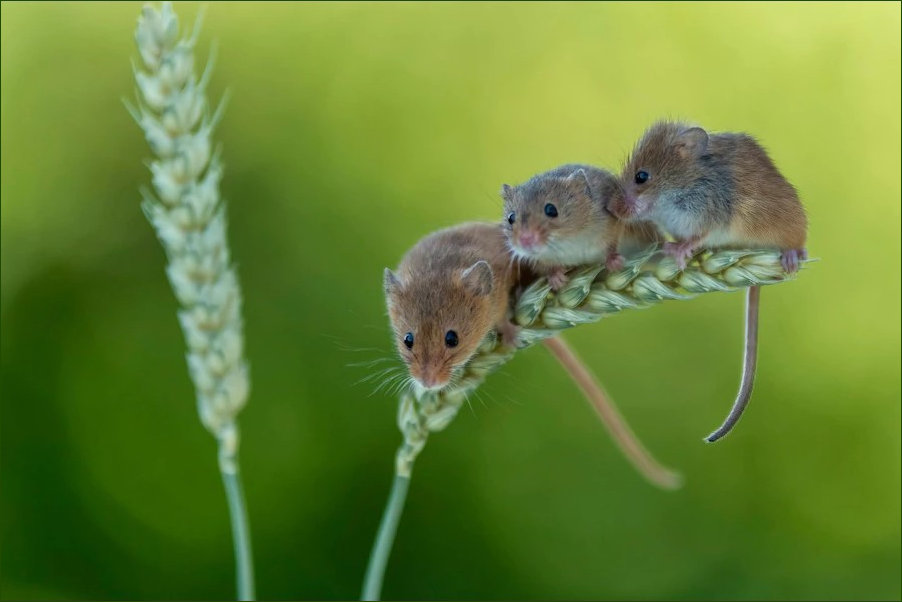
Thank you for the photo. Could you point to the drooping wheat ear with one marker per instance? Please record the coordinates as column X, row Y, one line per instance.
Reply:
column 189, row 217
column 590, row 294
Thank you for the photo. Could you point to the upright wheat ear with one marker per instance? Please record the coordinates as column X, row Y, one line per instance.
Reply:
column 590, row 294
column 190, row 220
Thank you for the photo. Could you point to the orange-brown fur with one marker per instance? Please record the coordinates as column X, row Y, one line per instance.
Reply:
column 429, row 295
column 768, row 209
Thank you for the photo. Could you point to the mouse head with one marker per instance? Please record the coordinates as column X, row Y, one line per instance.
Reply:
column 665, row 161
column 439, row 322
column 545, row 209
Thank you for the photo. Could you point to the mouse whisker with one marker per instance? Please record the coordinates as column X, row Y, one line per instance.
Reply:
column 345, row 347
column 387, row 382
column 380, row 385
column 376, row 375
column 479, row 398
column 398, row 385
column 404, row 383
column 370, row 363
column 470, row 405
column 392, row 386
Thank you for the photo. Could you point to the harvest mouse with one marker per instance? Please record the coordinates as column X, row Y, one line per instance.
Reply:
column 718, row 190
column 714, row 190
column 558, row 219
column 449, row 291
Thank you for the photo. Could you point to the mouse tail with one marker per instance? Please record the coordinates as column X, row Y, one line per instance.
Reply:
column 749, row 363
column 620, row 431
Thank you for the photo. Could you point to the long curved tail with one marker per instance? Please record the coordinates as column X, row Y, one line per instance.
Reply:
column 750, row 361
column 620, row 431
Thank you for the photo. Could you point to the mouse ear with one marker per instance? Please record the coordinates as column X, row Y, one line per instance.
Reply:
column 506, row 192
column 478, row 278
column 390, row 282
column 579, row 181
column 692, row 142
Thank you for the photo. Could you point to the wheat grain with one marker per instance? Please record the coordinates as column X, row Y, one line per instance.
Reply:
column 189, row 216
column 591, row 293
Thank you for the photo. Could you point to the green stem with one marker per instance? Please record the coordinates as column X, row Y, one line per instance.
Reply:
column 241, row 533
column 372, row 583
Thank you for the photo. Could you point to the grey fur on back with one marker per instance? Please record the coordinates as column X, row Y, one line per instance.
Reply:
column 713, row 193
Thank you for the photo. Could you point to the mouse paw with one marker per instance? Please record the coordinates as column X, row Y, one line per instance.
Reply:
column 510, row 334
column 680, row 251
column 557, row 278
column 791, row 259
column 614, row 262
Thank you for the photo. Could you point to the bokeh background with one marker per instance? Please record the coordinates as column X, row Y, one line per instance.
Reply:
column 354, row 129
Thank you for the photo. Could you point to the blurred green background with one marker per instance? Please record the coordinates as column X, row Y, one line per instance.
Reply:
column 353, row 130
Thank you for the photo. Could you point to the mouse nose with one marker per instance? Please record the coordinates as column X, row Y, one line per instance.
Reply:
column 623, row 206
column 431, row 380
column 528, row 239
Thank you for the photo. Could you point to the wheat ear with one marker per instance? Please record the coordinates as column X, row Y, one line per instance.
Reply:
column 189, row 217
column 590, row 294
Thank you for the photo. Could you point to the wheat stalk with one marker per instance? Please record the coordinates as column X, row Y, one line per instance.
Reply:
column 189, row 217
column 590, row 294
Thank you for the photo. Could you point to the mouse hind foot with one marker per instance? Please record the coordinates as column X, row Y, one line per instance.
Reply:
column 510, row 334
column 791, row 259
column 557, row 278
column 614, row 262
column 681, row 251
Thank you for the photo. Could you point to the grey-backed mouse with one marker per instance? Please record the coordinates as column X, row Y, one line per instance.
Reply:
column 558, row 219
column 717, row 190
column 450, row 290
column 713, row 190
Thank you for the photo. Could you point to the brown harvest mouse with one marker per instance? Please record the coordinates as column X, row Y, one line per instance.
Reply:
column 714, row 190
column 558, row 219
column 450, row 290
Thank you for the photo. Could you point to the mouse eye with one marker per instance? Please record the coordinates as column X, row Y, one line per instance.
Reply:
column 408, row 340
column 550, row 210
column 511, row 218
column 642, row 177
column 451, row 338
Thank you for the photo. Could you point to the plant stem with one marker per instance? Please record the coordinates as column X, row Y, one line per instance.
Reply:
column 241, row 533
column 590, row 295
column 385, row 537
